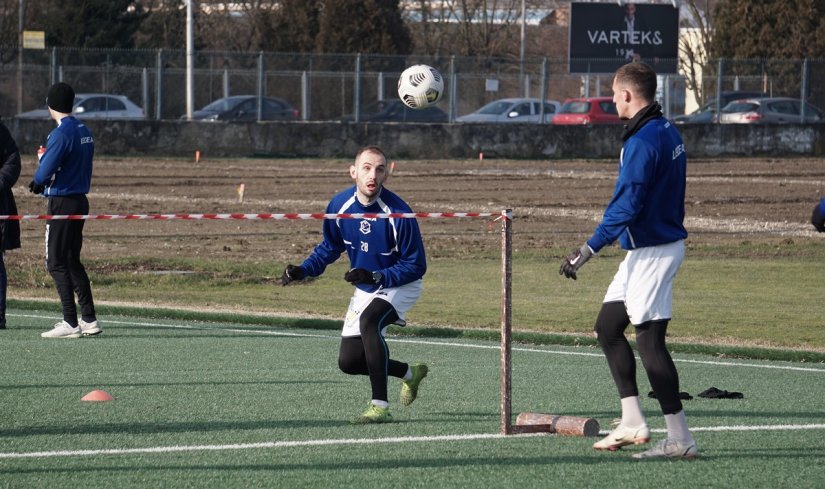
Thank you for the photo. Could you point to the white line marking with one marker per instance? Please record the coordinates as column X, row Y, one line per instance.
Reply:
column 434, row 342
column 355, row 441
column 247, row 446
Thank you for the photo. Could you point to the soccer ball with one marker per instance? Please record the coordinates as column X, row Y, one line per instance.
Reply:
column 420, row 86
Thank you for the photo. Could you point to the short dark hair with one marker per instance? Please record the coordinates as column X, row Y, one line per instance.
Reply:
column 371, row 149
column 641, row 77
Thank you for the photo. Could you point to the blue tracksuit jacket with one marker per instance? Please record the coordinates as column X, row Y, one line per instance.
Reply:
column 66, row 166
column 648, row 204
column 390, row 246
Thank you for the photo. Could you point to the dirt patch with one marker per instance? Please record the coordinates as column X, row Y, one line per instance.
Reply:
column 555, row 203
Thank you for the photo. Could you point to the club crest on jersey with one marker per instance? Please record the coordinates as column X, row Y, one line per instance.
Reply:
column 365, row 227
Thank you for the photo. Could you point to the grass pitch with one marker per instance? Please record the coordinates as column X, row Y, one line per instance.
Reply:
column 234, row 404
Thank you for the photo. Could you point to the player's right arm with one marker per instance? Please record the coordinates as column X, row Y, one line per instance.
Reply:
column 324, row 254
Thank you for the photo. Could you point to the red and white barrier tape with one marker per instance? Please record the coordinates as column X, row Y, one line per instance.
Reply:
column 251, row 217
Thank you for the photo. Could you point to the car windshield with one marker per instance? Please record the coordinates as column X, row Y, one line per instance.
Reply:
column 494, row 108
column 224, row 104
column 735, row 107
column 576, row 107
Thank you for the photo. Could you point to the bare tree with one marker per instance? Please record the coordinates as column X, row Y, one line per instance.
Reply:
column 694, row 44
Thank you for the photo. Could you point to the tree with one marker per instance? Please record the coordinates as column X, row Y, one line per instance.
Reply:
column 694, row 45
column 164, row 26
column 773, row 37
column 295, row 26
column 362, row 26
column 91, row 23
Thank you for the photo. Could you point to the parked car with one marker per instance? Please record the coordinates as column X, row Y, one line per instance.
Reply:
column 394, row 110
column 95, row 106
column 588, row 110
column 707, row 113
column 513, row 110
column 769, row 110
column 245, row 108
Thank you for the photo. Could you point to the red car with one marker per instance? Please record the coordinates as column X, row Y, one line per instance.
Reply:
column 586, row 111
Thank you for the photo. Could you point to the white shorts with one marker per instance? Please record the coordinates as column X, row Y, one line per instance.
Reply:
column 644, row 281
column 401, row 298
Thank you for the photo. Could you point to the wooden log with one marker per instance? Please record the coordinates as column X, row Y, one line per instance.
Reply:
column 553, row 423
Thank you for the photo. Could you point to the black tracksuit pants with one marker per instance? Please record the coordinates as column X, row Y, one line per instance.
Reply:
column 64, row 240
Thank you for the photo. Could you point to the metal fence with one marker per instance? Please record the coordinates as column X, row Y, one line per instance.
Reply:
column 329, row 86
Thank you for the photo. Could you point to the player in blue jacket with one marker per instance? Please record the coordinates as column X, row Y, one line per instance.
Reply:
column 818, row 216
column 64, row 176
column 646, row 215
column 387, row 263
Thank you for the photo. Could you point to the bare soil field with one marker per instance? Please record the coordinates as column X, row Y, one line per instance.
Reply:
column 556, row 204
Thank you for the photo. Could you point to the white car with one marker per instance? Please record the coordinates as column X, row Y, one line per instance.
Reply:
column 95, row 106
column 513, row 110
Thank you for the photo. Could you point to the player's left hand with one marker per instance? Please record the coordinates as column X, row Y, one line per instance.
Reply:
column 574, row 261
column 818, row 220
column 359, row 276
column 35, row 188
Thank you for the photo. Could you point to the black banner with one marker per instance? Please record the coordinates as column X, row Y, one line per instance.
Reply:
column 605, row 36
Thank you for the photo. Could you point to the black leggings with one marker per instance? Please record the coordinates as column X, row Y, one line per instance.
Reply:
column 368, row 354
column 64, row 240
column 650, row 341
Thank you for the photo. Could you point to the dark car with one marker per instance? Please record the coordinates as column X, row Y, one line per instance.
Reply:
column 393, row 110
column 245, row 108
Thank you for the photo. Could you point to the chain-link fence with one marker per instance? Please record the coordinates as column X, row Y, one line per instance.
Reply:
column 329, row 86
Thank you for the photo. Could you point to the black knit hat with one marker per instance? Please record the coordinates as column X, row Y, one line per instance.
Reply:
column 61, row 98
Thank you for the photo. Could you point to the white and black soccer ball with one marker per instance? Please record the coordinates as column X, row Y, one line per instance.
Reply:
column 420, row 86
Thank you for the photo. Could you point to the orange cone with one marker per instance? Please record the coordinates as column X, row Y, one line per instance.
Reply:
column 97, row 396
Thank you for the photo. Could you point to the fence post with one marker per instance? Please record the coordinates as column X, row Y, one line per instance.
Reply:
column 719, row 91
column 357, row 88
column 225, row 82
column 305, row 96
column 159, row 86
column 260, row 86
column 380, row 85
column 53, row 67
column 543, row 83
column 144, row 92
column 453, row 94
column 804, row 96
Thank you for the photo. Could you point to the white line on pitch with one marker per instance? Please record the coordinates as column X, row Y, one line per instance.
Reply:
column 247, row 446
column 352, row 441
column 435, row 342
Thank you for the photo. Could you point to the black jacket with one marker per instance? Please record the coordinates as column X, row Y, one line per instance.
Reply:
column 9, row 173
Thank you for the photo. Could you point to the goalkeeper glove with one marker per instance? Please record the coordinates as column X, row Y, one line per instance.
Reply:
column 574, row 261
column 358, row 276
column 35, row 188
column 818, row 220
column 291, row 272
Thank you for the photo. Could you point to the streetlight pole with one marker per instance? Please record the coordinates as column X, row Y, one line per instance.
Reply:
column 190, row 60
column 521, row 50
column 20, row 56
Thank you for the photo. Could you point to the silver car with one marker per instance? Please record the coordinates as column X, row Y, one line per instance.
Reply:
column 513, row 110
column 769, row 110
column 95, row 106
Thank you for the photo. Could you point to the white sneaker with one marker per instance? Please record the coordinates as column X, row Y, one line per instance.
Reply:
column 623, row 436
column 89, row 329
column 62, row 330
column 668, row 448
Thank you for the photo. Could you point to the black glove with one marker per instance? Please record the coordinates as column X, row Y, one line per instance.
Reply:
column 574, row 261
column 291, row 272
column 35, row 188
column 360, row 276
column 818, row 220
